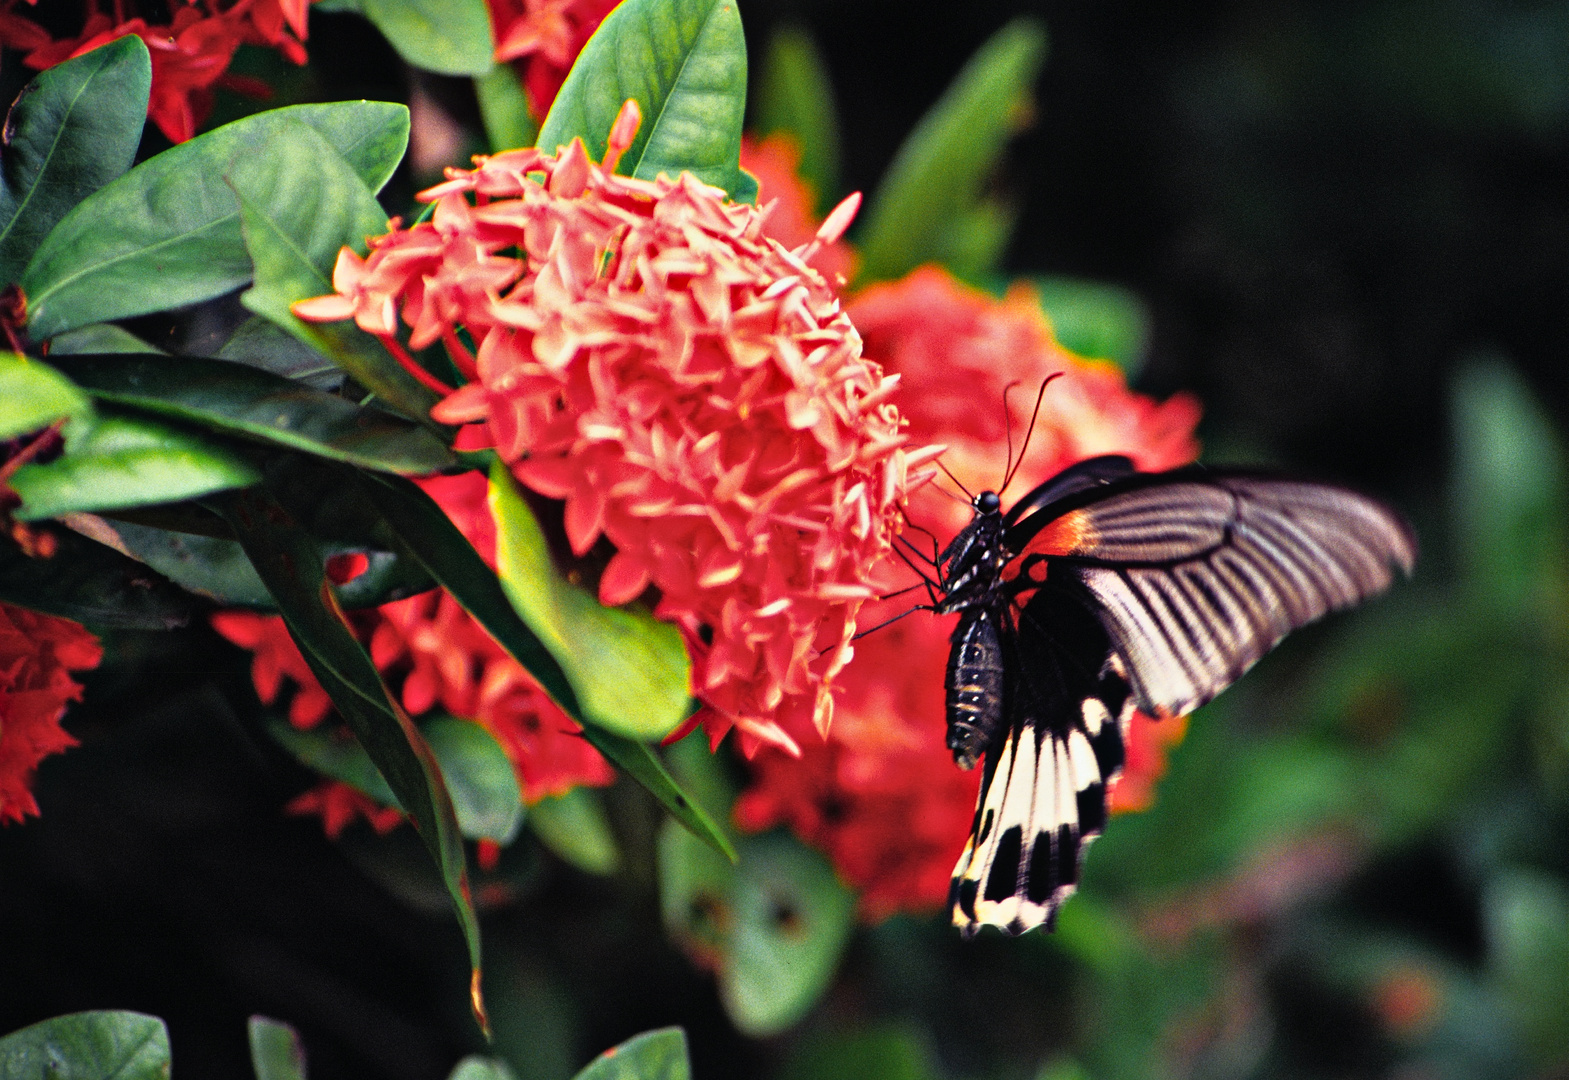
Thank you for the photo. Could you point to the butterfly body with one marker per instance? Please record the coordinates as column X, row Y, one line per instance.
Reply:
column 1103, row 591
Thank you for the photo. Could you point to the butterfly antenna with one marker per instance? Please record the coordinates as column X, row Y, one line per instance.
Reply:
column 1007, row 416
column 955, row 479
column 890, row 622
column 1013, row 466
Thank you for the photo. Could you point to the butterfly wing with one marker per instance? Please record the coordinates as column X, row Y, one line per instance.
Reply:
column 1196, row 575
column 1043, row 788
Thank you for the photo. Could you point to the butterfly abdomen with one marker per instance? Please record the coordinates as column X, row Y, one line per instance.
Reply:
column 974, row 685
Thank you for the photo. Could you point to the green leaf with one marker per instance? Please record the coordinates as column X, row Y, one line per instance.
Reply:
column 92, row 584
column 242, row 400
column 480, row 776
column 425, row 532
column 653, row 1055
column 940, row 171
column 290, row 564
column 684, row 61
column 574, row 827
column 113, row 461
column 88, row 1046
column 99, row 338
column 337, row 756
column 503, row 108
column 72, row 130
column 33, row 395
column 449, row 37
column 1091, row 318
column 629, row 671
column 300, row 204
column 778, row 921
column 796, row 97
column 167, row 233
column 259, row 343
column 276, row 1053
column 475, row 1067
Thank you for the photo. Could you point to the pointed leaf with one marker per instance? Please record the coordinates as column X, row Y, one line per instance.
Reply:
column 300, row 204
column 684, row 61
column 276, row 1053
column 940, row 170
column 34, row 395
column 113, row 461
column 88, row 1046
column 243, row 400
column 653, row 1055
column 259, row 343
column 629, row 671
column 796, row 97
column 475, row 1067
column 426, row 533
column 449, row 37
column 167, row 233
column 92, row 584
column 73, row 129
column 290, row 564
column 574, row 826
column 100, row 338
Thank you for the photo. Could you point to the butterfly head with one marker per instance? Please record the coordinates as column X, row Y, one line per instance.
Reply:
column 987, row 503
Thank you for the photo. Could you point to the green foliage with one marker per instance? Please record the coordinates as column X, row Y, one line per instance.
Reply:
column 503, row 109
column 795, row 97
column 88, row 1046
column 276, row 1053
column 684, row 61
column 575, row 828
column 931, row 203
column 33, row 395
column 449, row 37
column 874, row 1053
column 72, row 130
column 1093, row 319
column 167, row 233
column 92, row 584
column 653, row 1055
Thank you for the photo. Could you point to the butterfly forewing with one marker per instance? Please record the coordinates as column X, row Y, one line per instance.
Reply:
column 1147, row 590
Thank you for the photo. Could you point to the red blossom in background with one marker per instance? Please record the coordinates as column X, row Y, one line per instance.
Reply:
column 688, row 386
column 543, row 38
column 190, row 54
column 445, row 659
column 882, row 796
column 37, row 654
column 788, row 203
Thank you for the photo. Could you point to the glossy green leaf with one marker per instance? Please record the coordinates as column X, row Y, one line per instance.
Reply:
column 427, row 534
column 796, row 97
column 276, row 1051
column 503, row 108
column 629, row 671
column 574, row 826
column 653, row 1055
column 939, row 172
column 243, row 400
column 475, row 1067
column 88, row 1046
column 33, row 395
column 121, row 460
column 684, row 61
column 300, row 204
column 777, row 922
column 99, row 338
column 260, row 343
column 449, row 37
column 167, row 233
column 72, row 130
column 92, row 584
column 1097, row 320
column 290, row 564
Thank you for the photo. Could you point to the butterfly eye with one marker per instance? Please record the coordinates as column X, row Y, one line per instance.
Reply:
column 987, row 502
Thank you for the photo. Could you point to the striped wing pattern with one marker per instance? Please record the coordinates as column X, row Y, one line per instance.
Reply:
column 1197, row 579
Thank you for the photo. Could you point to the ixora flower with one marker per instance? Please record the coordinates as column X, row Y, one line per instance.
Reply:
column 881, row 795
column 190, row 53
column 690, row 388
column 37, row 655
column 444, row 659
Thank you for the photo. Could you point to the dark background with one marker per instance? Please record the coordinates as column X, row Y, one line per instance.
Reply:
column 1327, row 208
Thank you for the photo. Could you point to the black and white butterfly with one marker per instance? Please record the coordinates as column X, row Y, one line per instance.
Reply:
column 1103, row 591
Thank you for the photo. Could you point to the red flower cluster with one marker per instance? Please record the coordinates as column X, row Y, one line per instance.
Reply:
column 37, row 654
column 190, row 54
column 544, row 37
column 789, row 204
column 882, row 796
column 445, row 659
column 688, row 386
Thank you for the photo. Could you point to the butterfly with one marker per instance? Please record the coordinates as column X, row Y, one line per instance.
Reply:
column 1104, row 591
